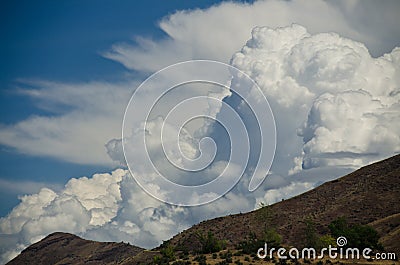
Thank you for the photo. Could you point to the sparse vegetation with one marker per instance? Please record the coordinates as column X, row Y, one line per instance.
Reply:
column 167, row 255
column 184, row 255
column 269, row 235
column 358, row 236
column 311, row 238
column 227, row 256
column 253, row 243
column 201, row 259
column 325, row 241
column 238, row 262
column 209, row 243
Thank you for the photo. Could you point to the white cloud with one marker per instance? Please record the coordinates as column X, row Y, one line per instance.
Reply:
column 217, row 32
column 82, row 204
column 327, row 85
column 85, row 116
column 31, row 207
column 378, row 20
column 112, row 207
column 275, row 195
column 82, row 118
column 349, row 101
column 350, row 128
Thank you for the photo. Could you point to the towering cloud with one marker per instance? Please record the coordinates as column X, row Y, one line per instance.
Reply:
column 342, row 102
column 336, row 108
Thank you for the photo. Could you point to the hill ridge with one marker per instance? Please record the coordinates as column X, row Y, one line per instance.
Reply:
column 363, row 196
column 369, row 195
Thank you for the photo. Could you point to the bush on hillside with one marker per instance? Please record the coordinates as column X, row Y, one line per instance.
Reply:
column 209, row 243
column 358, row 236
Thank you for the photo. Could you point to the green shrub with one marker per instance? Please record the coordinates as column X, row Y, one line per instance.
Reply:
column 201, row 259
column 210, row 244
column 311, row 238
column 272, row 237
column 338, row 227
column 325, row 241
column 358, row 236
column 167, row 255
column 238, row 262
column 157, row 259
column 253, row 243
column 228, row 257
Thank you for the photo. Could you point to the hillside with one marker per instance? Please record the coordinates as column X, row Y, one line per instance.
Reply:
column 64, row 248
column 369, row 195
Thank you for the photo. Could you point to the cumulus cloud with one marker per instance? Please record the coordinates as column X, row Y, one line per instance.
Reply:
column 81, row 117
column 344, row 118
column 324, row 87
column 274, row 195
column 83, row 203
column 112, row 207
column 350, row 128
column 348, row 100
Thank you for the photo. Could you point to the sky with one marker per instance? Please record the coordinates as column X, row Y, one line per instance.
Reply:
column 63, row 42
column 329, row 71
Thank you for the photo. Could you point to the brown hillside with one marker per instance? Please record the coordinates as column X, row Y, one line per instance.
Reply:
column 389, row 230
column 364, row 196
column 64, row 248
column 369, row 195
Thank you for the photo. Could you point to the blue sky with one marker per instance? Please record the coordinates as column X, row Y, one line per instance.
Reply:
column 329, row 70
column 63, row 41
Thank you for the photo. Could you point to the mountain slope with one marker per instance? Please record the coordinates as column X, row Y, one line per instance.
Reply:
column 369, row 195
column 364, row 196
column 64, row 248
column 389, row 229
